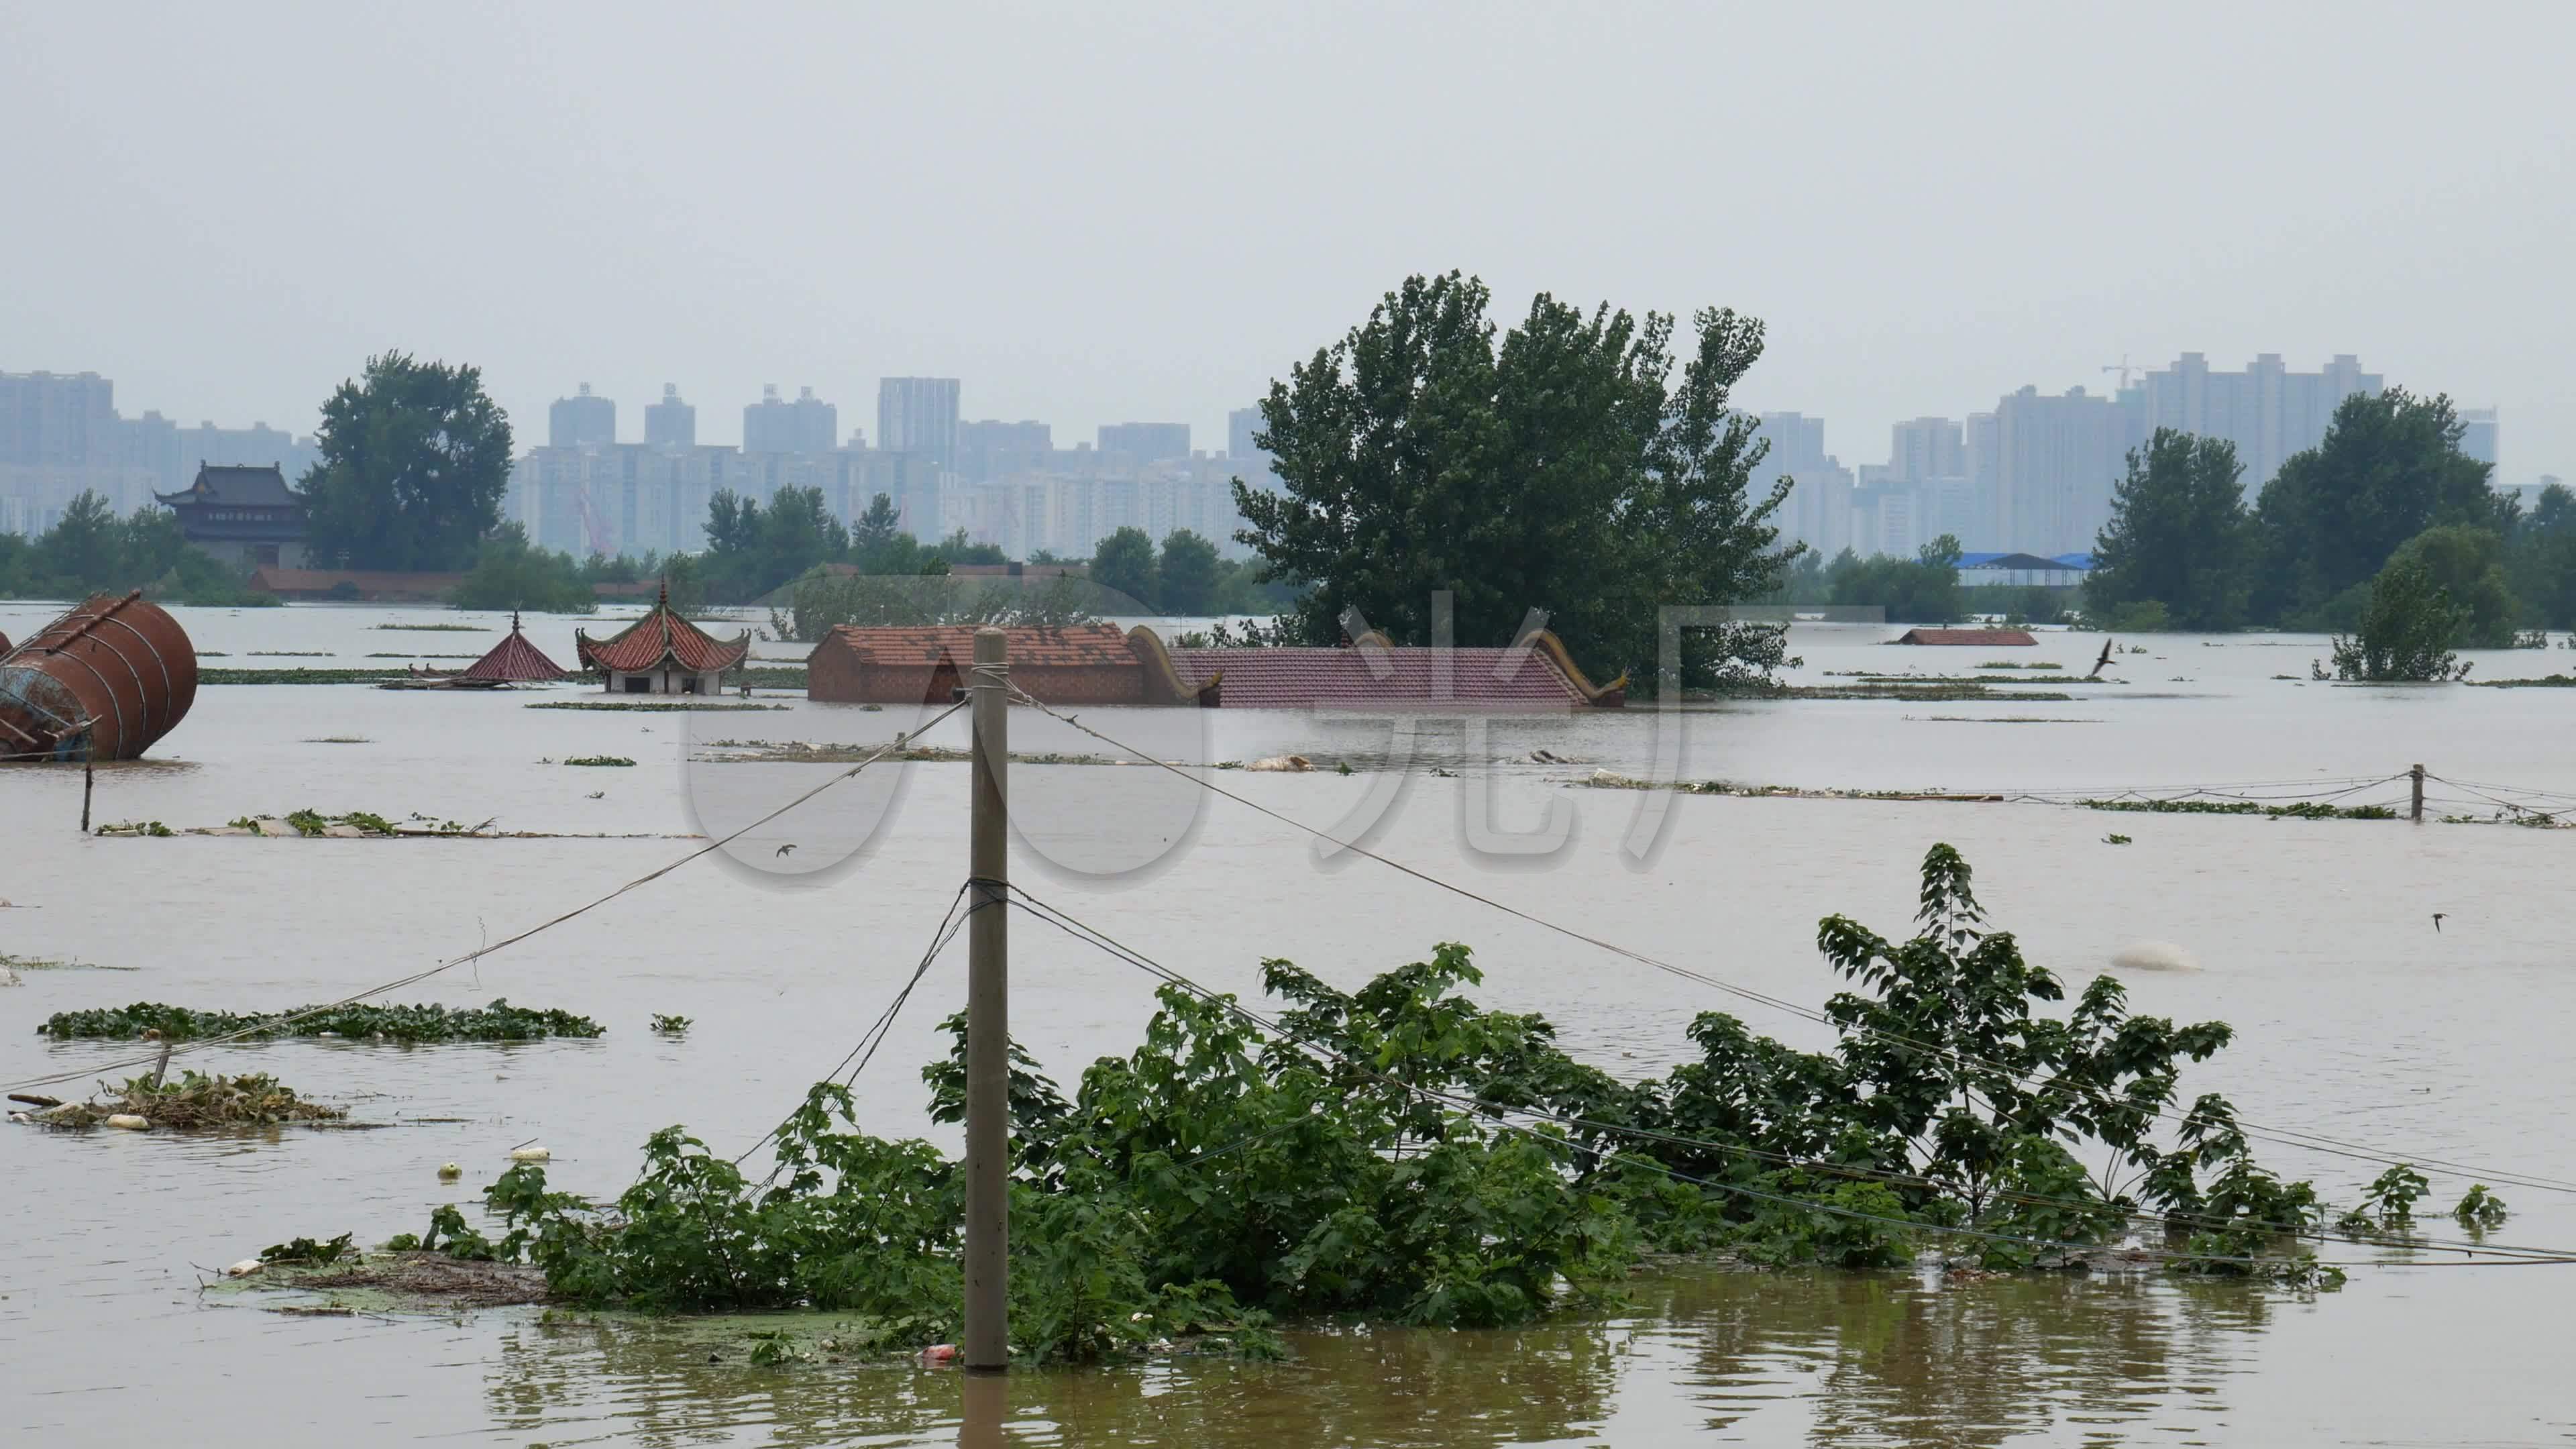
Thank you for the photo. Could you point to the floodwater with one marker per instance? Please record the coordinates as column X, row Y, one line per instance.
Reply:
column 2354, row 1017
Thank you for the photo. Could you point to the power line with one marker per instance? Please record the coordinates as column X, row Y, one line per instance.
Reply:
column 2283, row 1136
column 1500, row 1115
column 263, row 1027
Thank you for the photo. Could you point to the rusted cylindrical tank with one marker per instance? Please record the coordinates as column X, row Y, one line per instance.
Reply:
column 104, row 681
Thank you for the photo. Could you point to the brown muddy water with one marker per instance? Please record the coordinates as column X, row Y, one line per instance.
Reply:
column 2355, row 1018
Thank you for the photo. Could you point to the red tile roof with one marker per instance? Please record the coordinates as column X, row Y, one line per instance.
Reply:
column 1071, row 647
column 1394, row 678
column 514, row 660
column 658, row 636
column 1988, row 638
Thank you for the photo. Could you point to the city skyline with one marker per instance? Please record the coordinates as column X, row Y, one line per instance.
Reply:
column 1901, row 269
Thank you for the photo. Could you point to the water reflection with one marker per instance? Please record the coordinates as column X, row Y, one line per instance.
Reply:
column 1824, row 1358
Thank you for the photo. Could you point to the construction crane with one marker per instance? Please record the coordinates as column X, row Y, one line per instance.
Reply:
column 590, row 522
column 2123, row 368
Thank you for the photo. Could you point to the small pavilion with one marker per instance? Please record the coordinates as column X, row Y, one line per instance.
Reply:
column 515, row 661
column 662, row 653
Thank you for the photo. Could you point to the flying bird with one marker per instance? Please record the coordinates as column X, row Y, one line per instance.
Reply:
column 2104, row 660
column 786, row 849
column 2437, row 921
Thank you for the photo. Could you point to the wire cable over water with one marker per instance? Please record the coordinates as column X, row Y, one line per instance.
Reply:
column 1500, row 1116
column 272, row 1023
column 2283, row 1136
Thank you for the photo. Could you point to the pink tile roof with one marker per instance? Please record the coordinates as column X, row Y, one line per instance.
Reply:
column 514, row 660
column 660, row 635
column 1099, row 645
column 1400, row 678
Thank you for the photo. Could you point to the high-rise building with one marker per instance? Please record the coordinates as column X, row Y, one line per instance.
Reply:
column 57, row 420
column 2478, row 434
column 1146, row 442
column 581, row 420
column 1925, row 449
column 2057, row 460
column 991, row 450
column 1818, row 512
column 2267, row 411
column 919, row 415
column 1240, row 425
column 807, row 425
column 671, row 423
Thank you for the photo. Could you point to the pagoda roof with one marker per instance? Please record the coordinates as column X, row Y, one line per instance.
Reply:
column 661, row 636
column 515, row 661
column 236, row 487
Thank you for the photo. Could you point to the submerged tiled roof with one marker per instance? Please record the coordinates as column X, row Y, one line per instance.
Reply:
column 1986, row 637
column 1368, row 676
column 515, row 660
column 1095, row 645
column 659, row 635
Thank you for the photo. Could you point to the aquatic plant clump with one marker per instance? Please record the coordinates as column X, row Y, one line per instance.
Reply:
column 499, row 1021
column 1400, row 1154
column 196, row 1102
column 2297, row 810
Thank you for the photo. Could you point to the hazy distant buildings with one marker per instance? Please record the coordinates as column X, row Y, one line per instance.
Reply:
column 2267, row 411
column 919, row 415
column 1240, row 425
column 61, row 436
column 580, row 420
column 1818, row 512
column 671, row 423
column 1146, row 442
column 807, row 425
column 2056, row 461
column 990, row 450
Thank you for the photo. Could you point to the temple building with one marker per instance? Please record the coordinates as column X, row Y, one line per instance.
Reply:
column 247, row 517
column 662, row 653
column 516, row 661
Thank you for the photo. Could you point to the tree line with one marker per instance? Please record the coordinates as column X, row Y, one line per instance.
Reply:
column 91, row 550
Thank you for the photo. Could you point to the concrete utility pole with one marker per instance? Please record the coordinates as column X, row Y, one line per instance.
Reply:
column 2417, row 811
column 988, row 1022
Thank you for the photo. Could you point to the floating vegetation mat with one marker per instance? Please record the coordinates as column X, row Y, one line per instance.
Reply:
column 2546, row 681
column 797, row 752
column 645, row 706
column 192, row 1103
column 499, row 1021
column 380, row 1279
column 608, row 760
column 2296, row 810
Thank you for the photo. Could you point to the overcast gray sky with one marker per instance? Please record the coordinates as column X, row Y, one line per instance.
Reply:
column 1104, row 212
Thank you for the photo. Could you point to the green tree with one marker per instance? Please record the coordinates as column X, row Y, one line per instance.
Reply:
column 752, row 550
column 880, row 526
column 2406, row 631
column 1124, row 564
column 2540, row 561
column 510, row 573
column 2468, row 564
column 1554, row 466
column 86, row 547
column 2389, row 467
column 1188, row 574
column 1921, row 590
column 2179, row 535
column 414, row 461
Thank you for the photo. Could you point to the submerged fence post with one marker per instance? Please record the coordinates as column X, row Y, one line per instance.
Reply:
column 988, row 1027
column 89, row 782
column 2416, row 811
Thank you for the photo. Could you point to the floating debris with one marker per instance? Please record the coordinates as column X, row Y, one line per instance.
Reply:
column 196, row 1102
